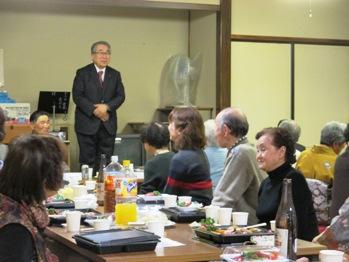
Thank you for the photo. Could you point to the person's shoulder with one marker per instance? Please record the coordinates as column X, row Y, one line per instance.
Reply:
column 112, row 70
column 244, row 151
column 86, row 68
column 165, row 155
column 187, row 154
column 296, row 175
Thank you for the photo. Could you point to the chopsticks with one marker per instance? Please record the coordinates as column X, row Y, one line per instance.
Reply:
column 256, row 225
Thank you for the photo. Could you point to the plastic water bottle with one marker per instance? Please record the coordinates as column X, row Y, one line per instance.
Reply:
column 112, row 171
column 126, row 197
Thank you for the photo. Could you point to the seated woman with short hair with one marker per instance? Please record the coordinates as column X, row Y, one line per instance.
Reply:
column 275, row 155
column 156, row 138
column 32, row 172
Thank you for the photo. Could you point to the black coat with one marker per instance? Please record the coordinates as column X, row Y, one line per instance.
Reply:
column 88, row 91
column 269, row 197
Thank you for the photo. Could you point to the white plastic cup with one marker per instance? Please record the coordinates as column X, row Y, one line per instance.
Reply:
column 272, row 225
column 73, row 221
column 90, row 185
column 224, row 216
column 101, row 224
column 240, row 218
column 90, row 173
column 170, row 200
column 157, row 227
column 79, row 190
column 184, row 199
column 329, row 255
column 212, row 212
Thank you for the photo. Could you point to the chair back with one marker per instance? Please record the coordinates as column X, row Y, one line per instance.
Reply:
column 321, row 193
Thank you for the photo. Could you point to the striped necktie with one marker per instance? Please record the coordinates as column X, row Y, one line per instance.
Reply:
column 100, row 77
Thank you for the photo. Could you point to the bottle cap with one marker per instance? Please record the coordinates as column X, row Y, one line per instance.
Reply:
column 114, row 158
column 126, row 163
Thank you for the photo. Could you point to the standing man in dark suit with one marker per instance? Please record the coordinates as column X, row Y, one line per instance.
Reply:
column 97, row 92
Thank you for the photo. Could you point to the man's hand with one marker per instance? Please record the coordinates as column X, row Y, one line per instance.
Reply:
column 101, row 111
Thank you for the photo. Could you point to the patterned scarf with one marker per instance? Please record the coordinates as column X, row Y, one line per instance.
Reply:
column 33, row 217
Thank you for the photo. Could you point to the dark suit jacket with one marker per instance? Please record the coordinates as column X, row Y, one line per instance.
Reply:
column 88, row 91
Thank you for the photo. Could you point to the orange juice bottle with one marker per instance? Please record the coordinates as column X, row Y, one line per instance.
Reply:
column 126, row 197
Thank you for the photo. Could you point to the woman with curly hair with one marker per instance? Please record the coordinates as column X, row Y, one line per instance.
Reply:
column 189, row 173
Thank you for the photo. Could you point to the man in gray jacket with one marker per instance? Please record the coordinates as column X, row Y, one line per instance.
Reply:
column 239, row 185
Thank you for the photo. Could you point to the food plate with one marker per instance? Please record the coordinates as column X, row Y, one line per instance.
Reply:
column 147, row 198
column 220, row 237
column 194, row 206
column 187, row 209
column 57, row 216
column 169, row 223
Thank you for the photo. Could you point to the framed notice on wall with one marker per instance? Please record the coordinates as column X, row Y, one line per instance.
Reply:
column 16, row 112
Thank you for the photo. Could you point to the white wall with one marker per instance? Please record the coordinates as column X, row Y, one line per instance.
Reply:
column 45, row 44
column 321, row 78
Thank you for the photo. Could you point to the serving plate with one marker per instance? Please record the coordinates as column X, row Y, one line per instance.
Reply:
column 59, row 216
column 230, row 238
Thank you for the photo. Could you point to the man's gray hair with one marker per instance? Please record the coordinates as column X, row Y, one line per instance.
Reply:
column 332, row 133
column 293, row 129
column 94, row 46
column 235, row 120
column 210, row 128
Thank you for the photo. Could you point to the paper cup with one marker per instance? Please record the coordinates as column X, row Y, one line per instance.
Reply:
column 184, row 199
column 272, row 225
column 212, row 212
column 79, row 190
column 170, row 200
column 240, row 218
column 90, row 185
column 90, row 173
column 101, row 224
column 73, row 220
column 329, row 255
column 224, row 216
column 157, row 227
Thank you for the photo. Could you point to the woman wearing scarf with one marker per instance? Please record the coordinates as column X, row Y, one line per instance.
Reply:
column 32, row 172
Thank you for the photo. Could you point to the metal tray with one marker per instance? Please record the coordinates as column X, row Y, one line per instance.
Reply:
column 228, row 239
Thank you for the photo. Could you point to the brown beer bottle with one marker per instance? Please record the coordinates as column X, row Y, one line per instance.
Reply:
column 286, row 223
column 100, row 180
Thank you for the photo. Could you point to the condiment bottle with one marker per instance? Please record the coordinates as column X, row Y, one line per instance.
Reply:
column 111, row 172
column 286, row 223
column 100, row 180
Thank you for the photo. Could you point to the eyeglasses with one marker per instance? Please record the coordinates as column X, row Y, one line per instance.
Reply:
column 103, row 53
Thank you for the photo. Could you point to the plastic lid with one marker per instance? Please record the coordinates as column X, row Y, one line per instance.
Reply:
column 114, row 158
column 126, row 163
